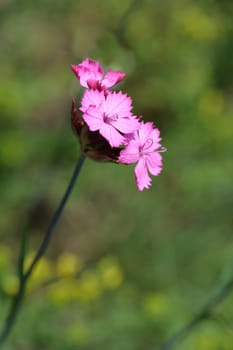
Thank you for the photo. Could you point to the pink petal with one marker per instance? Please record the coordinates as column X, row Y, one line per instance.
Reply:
column 93, row 67
column 130, row 138
column 142, row 178
column 82, row 74
column 126, row 125
column 93, row 119
column 154, row 163
column 130, row 154
column 114, row 138
column 75, row 70
column 144, row 132
column 112, row 78
column 118, row 103
column 88, row 72
column 155, row 137
column 92, row 98
column 92, row 83
column 150, row 146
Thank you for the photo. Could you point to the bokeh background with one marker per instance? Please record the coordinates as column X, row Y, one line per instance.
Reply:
column 125, row 269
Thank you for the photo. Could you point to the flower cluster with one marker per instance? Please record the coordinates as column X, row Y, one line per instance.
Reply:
column 108, row 130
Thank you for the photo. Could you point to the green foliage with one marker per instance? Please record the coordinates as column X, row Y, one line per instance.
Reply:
column 131, row 267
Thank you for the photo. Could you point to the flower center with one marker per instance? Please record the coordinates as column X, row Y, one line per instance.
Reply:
column 147, row 145
column 144, row 149
column 108, row 119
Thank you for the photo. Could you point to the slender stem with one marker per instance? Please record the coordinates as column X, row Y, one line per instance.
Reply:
column 56, row 217
column 17, row 301
column 204, row 314
column 13, row 312
column 23, row 250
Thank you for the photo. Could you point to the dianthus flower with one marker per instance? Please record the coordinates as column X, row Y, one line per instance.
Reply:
column 143, row 147
column 108, row 130
column 91, row 75
column 109, row 114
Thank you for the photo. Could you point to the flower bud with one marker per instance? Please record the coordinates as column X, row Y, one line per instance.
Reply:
column 92, row 143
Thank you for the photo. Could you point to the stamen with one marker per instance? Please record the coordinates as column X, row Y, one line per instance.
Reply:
column 162, row 149
column 108, row 119
column 114, row 117
column 148, row 144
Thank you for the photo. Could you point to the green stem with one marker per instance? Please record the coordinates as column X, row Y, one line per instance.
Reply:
column 23, row 250
column 204, row 314
column 17, row 301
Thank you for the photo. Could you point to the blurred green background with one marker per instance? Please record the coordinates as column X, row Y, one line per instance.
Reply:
column 125, row 269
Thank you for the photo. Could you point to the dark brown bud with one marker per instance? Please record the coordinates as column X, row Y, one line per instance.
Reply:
column 92, row 143
column 76, row 120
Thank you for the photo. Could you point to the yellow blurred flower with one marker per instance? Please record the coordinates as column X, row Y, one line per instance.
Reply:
column 10, row 284
column 64, row 291
column 111, row 272
column 196, row 24
column 42, row 272
column 206, row 342
column 156, row 304
column 85, row 289
column 214, row 339
column 211, row 103
column 68, row 264
column 89, row 287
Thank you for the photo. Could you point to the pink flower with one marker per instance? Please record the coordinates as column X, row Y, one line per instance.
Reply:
column 109, row 114
column 91, row 75
column 143, row 147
